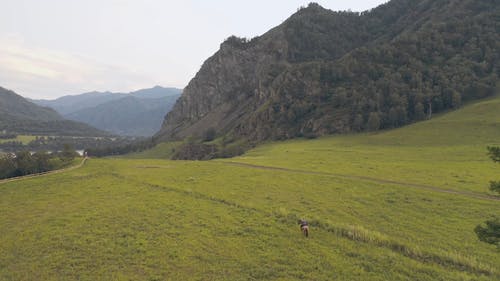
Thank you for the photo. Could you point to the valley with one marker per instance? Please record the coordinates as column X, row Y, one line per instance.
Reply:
column 378, row 128
column 153, row 219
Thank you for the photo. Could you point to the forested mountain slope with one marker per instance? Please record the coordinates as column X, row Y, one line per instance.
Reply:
column 138, row 113
column 128, row 116
column 13, row 106
column 17, row 115
column 324, row 72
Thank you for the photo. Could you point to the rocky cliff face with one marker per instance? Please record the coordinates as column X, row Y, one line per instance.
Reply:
column 324, row 72
column 230, row 86
column 235, row 85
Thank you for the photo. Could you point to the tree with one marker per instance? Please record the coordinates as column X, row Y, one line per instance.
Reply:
column 373, row 121
column 419, row 112
column 490, row 231
column 393, row 117
column 494, row 153
column 456, row 100
column 42, row 161
column 25, row 163
column 7, row 166
column 68, row 153
column 357, row 124
column 209, row 134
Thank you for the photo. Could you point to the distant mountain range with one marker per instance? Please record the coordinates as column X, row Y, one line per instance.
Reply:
column 138, row 113
column 20, row 116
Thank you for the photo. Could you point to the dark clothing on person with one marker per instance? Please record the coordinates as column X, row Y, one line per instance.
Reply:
column 303, row 223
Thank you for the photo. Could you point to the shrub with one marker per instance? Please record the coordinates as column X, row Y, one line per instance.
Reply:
column 489, row 232
column 209, row 134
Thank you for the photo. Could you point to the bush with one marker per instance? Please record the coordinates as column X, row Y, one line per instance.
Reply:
column 489, row 232
column 209, row 134
column 195, row 151
column 495, row 186
column 68, row 153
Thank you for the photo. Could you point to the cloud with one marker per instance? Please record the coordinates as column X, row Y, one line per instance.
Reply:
column 43, row 73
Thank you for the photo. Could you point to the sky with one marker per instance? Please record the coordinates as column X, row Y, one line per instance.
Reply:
column 53, row 48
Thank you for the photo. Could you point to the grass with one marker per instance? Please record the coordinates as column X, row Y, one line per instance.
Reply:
column 448, row 151
column 153, row 219
column 24, row 139
column 161, row 151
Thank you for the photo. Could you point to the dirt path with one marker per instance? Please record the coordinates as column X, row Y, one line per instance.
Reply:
column 46, row 173
column 404, row 184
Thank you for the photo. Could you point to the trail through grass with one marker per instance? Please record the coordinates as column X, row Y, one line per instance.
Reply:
column 448, row 151
column 377, row 180
column 370, row 217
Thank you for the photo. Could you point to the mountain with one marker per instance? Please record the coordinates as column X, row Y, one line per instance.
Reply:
column 156, row 92
column 128, row 116
column 14, row 106
column 18, row 115
column 70, row 104
column 322, row 72
column 138, row 113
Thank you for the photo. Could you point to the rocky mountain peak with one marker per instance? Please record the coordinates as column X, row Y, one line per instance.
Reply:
column 323, row 72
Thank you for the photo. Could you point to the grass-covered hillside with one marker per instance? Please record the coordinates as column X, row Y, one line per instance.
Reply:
column 448, row 151
column 24, row 139
column 397, row 205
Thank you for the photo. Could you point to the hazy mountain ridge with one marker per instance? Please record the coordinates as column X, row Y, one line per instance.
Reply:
column 72, row 103
column 128, row 116
column 324, row 72
column 15, row 106
column 18, row 115
column 69, row 104
column 138, row 113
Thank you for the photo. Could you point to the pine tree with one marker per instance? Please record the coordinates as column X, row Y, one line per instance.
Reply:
column 490, row 231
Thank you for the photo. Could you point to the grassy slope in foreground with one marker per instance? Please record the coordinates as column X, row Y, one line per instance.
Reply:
column 119, row 219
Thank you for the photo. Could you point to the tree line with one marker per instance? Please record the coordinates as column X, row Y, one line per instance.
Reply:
column 24, row 163
column 121, row 147
column 56, row 143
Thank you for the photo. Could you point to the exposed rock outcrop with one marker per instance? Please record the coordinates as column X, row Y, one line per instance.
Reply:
column 324, row 72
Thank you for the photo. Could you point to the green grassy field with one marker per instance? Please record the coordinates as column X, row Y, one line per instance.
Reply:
column 22, row 138
column 448, row 151
column 398, row 205
column 161, row 151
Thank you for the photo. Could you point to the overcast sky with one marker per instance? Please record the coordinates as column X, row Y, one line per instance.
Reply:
column 52, row 48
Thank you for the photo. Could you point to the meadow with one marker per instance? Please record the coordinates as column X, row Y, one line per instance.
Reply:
column 24, row 139
column 448, row 151
column 395, row 205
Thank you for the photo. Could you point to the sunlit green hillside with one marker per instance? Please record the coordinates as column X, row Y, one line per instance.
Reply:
column 25, row 139
column 398, row 205
column 448, row 151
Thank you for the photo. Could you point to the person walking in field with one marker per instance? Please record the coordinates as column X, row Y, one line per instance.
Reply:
column 304, row 227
